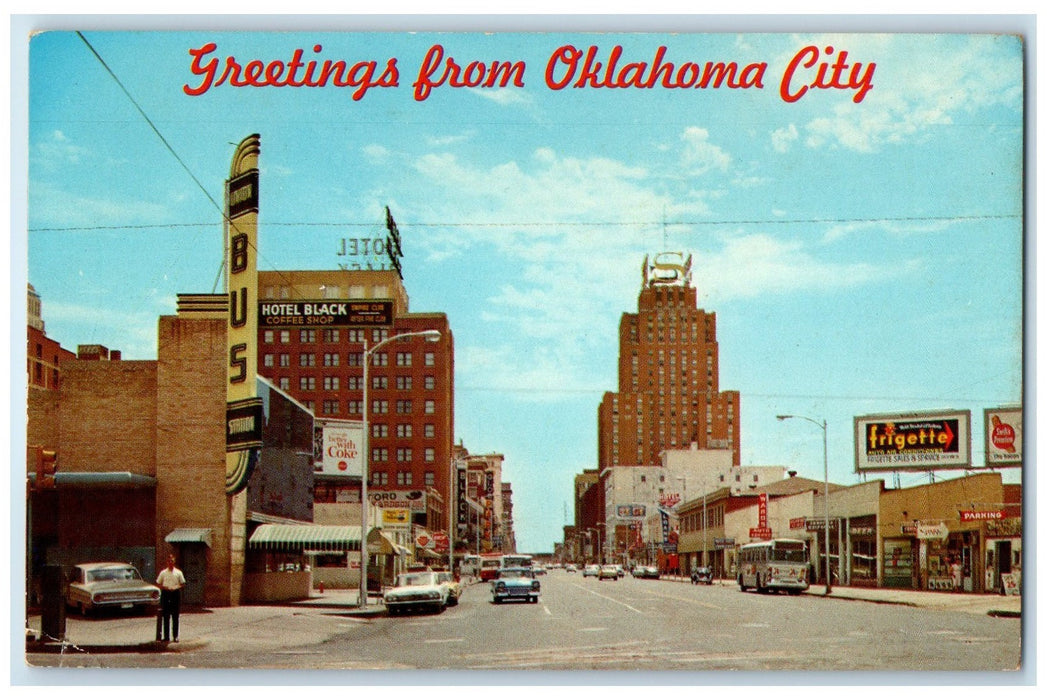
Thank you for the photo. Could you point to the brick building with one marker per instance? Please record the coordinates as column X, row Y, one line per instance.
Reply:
column 668, row 376
column 411, row 392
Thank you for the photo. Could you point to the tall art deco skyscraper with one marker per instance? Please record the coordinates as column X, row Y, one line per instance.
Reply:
column 668, row 375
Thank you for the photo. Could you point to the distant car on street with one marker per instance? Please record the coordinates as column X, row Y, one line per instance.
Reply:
column 109, row 585
column 608, row 571
column 646, row 572
column 591, row 570
column 516, row 583
column 571, row 568
column 703, row 574
column 417, row 590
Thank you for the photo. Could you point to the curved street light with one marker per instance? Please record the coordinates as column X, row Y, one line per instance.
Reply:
column 825, row 463
column 368, row 353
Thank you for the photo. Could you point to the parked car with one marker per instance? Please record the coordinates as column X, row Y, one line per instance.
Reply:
column 454, row 586
column 516, row 583
column 417, row 590
column 620, row 569
column 591, row 570
column 539, row 570
column 703, row 574
column 646, row 572
column 110, row 585
column 608, row 571
column 570, row 568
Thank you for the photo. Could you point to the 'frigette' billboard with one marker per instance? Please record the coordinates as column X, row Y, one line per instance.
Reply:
column 913, row 441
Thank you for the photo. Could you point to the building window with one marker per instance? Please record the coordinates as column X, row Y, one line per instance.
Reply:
column 307, row 359
column 307, row 335
column 267, row 336
column 379, row 406
column 380, row 454
column 354, row 359
column 404, row 430
column 430, row 430
column 285, row 359
column 430, row 406
column 379, row 334
column 403, row 359
column 331, row 407
column 379, row 430
column 381, row 359
column 379, row 382
column 331, row 335
column 285, row 383
column 430, row 359
column 430, row 479
column 355, row 383
column 404, row 478
column 331, row 383
column 379, row 478
column 403, row 383
column 307, row 383
column 268, row 360
column 404, row 454
column 430, row 382
column 430, row 454
column 355, row 408
column 285, row 337
column 403, row 406
column 331, row 359
column 356, row 335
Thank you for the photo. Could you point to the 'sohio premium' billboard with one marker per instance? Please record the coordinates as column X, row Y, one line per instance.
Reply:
column 1003, row 436
column 913, row 441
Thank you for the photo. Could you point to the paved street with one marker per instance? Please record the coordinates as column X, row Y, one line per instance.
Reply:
column 580, row 624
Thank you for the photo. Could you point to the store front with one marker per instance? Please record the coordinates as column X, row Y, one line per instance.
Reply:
column 861, row 552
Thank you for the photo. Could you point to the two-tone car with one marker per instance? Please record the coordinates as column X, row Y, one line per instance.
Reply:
column 515, row 584
column 110, row 585
column 417, row 590
column 454, row 586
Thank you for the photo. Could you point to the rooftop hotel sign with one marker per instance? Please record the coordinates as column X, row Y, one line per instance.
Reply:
column 913, row 441
column 325, row 313
column 244, row 414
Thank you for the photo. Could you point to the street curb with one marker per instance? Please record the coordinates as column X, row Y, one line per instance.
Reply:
column 37, row 647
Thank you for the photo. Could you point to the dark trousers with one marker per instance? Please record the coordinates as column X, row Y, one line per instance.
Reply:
column 170, row 606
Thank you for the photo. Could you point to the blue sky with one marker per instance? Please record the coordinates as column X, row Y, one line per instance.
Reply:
column 861, row 257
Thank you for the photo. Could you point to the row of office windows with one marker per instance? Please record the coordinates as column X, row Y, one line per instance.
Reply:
column 333, row 407
column 404, row 455
column 402, row 478
column 352, row 359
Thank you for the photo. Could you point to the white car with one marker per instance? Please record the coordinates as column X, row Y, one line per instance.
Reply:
column 591, row 570
column 109, row 585
column 417, row 590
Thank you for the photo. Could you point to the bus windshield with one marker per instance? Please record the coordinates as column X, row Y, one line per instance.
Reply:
column 789, row 552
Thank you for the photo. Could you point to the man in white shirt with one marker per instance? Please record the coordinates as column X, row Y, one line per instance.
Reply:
column 170, row 581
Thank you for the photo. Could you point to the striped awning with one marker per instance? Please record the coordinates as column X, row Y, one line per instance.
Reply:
column 296, row 538
column 189, row 535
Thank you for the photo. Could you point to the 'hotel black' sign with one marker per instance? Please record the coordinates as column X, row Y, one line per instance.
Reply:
column 325, row 313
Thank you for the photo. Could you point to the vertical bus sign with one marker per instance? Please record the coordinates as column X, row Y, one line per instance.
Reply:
column 241, row 233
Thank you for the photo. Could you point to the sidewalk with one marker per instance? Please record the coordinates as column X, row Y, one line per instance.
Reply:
column 975, row 603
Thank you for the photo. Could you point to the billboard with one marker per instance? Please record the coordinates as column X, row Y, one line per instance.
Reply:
column 1003, row 436
column 337, row 446
column 913, row 441
column 630, row 511
column 335, row 313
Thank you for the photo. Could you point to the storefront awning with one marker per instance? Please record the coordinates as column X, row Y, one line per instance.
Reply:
column 86, row 480
column 189, row 535
column 293, row 538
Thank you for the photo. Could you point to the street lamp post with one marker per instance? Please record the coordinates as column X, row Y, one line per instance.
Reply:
column 600, row 539
column 364, row 475
column 825, row 463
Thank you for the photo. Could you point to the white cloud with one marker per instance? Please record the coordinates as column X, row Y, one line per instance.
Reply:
column 700, row 155
column 783, row 139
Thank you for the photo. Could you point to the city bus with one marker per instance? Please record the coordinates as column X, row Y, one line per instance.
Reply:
column 490, row 562
column 774, row 565
column 470, row 565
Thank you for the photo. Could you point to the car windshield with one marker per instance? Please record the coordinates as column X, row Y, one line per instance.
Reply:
column 514, row 573
column 114, row 573
column 416, row 579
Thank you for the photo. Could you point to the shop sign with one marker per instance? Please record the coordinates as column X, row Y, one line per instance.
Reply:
column 1011, row 584
column 630, row 511
column 723, row 542
column 927, row 531
column 818, row 524
column 797, row 523
column 325, row 313
column 759, row 533
column 396, row 519
column 761, row 510
column 909, row 529
column 862, row 530
column 913, row 441
column 1003, row 436
column 972, row 515
column 412, row 501
column 1008, row 527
